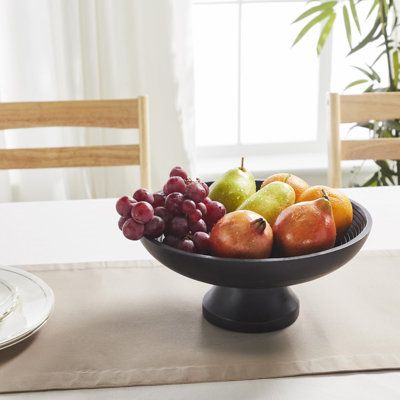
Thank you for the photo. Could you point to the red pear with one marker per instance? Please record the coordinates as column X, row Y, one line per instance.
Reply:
column 241, row 234
column 305, row 228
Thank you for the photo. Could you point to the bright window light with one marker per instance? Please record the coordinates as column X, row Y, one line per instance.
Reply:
column 251, row 87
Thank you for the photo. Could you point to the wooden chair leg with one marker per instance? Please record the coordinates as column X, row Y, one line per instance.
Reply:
column 334, row 173
column 144, row 142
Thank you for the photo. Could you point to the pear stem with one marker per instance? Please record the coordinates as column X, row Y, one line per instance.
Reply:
column 325, row 195
column 242, row 163
column 260, row 224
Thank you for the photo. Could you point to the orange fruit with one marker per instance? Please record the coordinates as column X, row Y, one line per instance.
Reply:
column 299, row 185
column 341, row 206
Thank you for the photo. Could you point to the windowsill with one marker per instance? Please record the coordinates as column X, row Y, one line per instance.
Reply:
column 312, row 167
column 261, row 166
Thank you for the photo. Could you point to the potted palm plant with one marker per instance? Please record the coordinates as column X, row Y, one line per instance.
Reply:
column 383, row 34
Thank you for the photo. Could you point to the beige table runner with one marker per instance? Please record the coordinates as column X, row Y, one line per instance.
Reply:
column 123, row 324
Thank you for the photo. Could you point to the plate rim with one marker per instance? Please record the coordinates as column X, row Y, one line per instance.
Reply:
column 50, row 302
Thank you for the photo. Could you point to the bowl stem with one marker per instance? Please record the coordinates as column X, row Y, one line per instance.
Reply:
column 250, row 310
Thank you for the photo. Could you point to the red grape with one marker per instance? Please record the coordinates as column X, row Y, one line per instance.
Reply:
column 163, row 213
column 179, row 227
column 155, row 227
column 133, row 230
column 173, row 203
column 121, row 221
column 202, row 207
column 195, row 216
column 202, row 242
column 124, row 205
column 207, row 201
column 143, row 195
column 171, row 241
column 159, row 199
column 186, row 245
column 178, row 171
column 175, row 184
column 199, row 226
column 142, row 212
column 195, row 191
column 215, row 211
column 188, row 206
column 205, row 186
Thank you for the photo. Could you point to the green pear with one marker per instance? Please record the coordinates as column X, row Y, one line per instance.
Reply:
column 233, row 188
column 270, row 200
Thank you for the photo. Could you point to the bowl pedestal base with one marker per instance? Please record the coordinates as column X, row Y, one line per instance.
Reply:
column 250, row 310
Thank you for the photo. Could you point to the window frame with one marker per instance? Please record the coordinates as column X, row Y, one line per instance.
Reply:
column 318, row 145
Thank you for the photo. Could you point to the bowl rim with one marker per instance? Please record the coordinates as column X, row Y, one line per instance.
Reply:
column 360, row 236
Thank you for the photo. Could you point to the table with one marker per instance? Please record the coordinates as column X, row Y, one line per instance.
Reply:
column 86, row 230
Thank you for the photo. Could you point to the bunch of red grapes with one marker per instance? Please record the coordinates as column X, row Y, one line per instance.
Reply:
column 181, row 212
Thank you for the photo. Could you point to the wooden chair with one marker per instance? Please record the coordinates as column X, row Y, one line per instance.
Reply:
column 361, row 108
column 129, row 113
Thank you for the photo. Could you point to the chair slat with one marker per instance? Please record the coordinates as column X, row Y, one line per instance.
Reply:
column 371, row 149
column 93, row 113
column 370, row 106
column 84, row 156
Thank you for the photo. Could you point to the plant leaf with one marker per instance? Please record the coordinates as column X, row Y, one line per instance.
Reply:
column 312, row 10
column 354, row 14
column 375, row 3
column 386, row 172
column 385, row 133
column 366, row 125
column 393, row 124
column 385, row 7
column 394, row 24
column 384, row 180
column 395, row 57
column 355, row 83
column 310, row 24
column 325, row 32
column 369, row 89
column 347, row 25
column 372, row 181
column 365, row 72
column 369, row 38
column 379, row 56
column 385, row 168
column 375, row 74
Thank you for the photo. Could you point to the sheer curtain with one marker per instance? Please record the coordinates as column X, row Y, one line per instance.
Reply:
column 97, row 49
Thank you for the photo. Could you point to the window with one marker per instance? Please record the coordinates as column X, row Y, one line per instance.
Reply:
column 254, row 93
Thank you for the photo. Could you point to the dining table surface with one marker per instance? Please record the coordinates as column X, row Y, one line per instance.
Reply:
column 57, row 232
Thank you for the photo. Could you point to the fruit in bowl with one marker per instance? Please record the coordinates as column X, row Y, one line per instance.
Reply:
column 299, row 185
column 305, row 227
column 181, row 215
column 233, row 219
column 270, row 200
column 341, row 205
column 233, row 188
column 241, row 234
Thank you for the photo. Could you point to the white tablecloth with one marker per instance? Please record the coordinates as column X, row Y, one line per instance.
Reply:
column 78, row 231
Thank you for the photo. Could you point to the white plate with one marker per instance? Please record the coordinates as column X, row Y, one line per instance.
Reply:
column 8, row 299
column 35, row 301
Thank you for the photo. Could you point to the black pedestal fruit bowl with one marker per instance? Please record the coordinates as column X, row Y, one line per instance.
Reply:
column 253, row 295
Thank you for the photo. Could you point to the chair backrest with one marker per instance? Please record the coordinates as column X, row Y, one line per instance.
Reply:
column 127, row 113
column 361, row 108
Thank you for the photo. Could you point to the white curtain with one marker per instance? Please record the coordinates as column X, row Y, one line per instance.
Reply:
column 97, row 49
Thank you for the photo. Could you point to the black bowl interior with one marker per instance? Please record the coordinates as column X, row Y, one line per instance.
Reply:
column 270, row 272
